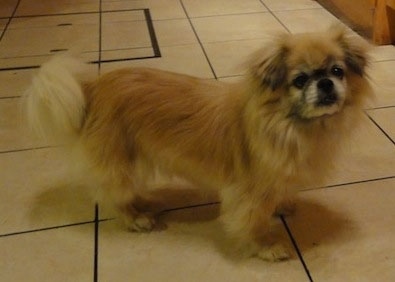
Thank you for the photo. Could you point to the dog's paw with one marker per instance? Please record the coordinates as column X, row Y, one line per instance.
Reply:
column 140, row 223
column 276, row 252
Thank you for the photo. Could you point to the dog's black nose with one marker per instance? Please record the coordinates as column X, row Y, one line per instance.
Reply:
column 325, row 85
column 326, row 93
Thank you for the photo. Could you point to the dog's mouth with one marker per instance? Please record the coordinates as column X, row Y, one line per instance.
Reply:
column 314, row 112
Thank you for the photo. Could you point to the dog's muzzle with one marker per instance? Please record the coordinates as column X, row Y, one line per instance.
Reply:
column 326, row 92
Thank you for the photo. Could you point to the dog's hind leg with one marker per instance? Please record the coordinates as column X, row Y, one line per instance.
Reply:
column 135, row 211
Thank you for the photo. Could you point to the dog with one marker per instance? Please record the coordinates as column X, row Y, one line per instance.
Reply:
column 255, row 141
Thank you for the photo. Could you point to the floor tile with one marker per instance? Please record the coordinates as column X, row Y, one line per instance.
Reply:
column 239, row 51
column 231, row 79
column 64, row 254
column 174, row 32
column 300, row 21
column 54, row 21
column 383, row 53
column 3, row 23
column 284, row 5
column 45, row 7
column 14, row 132
column 7, row 8
column 382, row 77
column 222, row 7
column 135, row 33
column 368, row 155
column 130, row 34
column 385, row 119
column 160, row 10
column 193, row 242
column 346, row 233
column 14, row 83
column 237, row 27
column 38, row 191
column 46, row 36
column 187, row 59
column 126, row 54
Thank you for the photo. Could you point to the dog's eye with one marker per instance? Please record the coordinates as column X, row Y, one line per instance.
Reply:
column 300, row 80
column 337, row 71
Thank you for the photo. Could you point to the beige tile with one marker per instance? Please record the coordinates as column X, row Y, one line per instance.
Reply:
column 13, row 63
column 126, row 54
column 299, row 21
column 383, row 53
column 7, row 7
column 283, row 5
column 346, row 233
column 44, row 7
column 229, row 58
column 122, row 16
column 194, row 243
column 159, row 10
column 64, row 254
column 231, row 79
column 222, row 7
column 131, row 34
column 165, row 9
column 54, row 21
column 14, row 133
column 187, row 59
column 382, row 76
column 37, row 191
column 14, row 83
column 3, row 23
column 20, row 42
column 237, row 27
column 174, row 32
column 134, row 34
column 385, row 118
column 368, row 155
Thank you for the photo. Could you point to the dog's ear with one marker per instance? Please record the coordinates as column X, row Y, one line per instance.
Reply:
column 355, row 49
column 269, row 65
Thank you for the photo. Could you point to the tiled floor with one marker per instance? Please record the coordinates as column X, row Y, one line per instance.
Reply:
column 51, row 231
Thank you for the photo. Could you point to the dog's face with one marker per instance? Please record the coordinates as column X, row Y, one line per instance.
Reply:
column 312, row 75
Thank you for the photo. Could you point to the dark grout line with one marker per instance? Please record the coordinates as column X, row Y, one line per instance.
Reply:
column 379, row 108
column 46, row 229
column 19, row 68
column 295, row 245
column 9, row 20
column 348, row 183
column 198, row 39
column 11, row 97
column 122, row 60
column 382, row 130
column 151, row 30
column 272, row 13
column 190, row 207
column 78, row 13
column 96, row 245
column 27, row 149
column 100, row 37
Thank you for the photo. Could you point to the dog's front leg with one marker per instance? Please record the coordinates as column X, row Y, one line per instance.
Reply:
column 249, row 221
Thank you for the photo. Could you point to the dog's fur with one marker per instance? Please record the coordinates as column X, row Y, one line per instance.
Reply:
column 253, row 141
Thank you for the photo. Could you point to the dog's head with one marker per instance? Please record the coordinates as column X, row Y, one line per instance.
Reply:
column 313, row 75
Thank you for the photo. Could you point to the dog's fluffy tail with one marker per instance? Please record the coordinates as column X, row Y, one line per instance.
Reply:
column 55, row 102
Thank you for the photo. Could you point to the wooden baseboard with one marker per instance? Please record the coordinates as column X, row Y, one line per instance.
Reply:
column 374, row 19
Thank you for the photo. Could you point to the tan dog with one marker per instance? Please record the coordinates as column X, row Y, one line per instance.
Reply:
column 254, row 141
